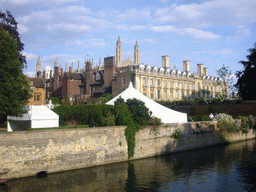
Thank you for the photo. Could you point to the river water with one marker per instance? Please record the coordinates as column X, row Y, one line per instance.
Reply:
column 222, row 168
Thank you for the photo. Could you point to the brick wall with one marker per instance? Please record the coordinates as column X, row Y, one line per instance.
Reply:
column 29, row 152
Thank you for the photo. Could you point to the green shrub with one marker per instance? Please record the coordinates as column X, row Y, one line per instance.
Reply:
column 201, row 118
column 177, row 134
column 226, row 123
column 92, row 115
column 109, row 120
column 245, row 131
column 244, row 122
column 122, row 114
column 155, row 122
column 251, row 121
column 140, row 113
column 55, row 100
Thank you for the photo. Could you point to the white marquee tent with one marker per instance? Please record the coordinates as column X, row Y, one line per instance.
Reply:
column 36, row 117
column 165, row 114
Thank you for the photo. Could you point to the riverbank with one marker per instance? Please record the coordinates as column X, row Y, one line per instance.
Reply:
column 30, row 152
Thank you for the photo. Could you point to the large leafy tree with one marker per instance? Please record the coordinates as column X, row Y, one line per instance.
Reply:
column 14, row 86
column 246, row 83
column 8, row 23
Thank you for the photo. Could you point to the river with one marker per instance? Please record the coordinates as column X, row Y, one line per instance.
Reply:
column 221, row 168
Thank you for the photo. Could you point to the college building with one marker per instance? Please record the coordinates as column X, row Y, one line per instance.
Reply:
column 90, row 82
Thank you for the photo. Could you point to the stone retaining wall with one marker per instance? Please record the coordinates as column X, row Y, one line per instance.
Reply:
column 27, row 153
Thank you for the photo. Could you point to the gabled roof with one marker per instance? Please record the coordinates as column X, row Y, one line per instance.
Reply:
column 37, row 82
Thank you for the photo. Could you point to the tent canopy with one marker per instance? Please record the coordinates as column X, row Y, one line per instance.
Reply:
column 37, row 117
column 165, row 114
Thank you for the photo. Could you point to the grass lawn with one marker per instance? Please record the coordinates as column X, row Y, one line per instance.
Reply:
column 63, row 127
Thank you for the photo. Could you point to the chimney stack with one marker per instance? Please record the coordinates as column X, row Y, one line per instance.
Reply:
column 200, row 69
column 186, row 66
column 166, row 62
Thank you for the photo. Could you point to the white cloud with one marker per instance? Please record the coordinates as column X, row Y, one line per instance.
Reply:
column 151, row 41
column 87, row 43
column 30, row 56
column 190, row 32
column 44, row 3
column 243, row 30
column 30, row 74
column 216, row 52
column 22, row 28
column 163, row 29
column 209, row 13
column 137, row 27
column 133, row 14
column 233, row 39
column 224, row 52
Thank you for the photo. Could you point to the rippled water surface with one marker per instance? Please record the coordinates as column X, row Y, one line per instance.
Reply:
column 221, row 168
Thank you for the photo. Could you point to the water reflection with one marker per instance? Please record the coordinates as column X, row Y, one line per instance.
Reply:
column 222, row 168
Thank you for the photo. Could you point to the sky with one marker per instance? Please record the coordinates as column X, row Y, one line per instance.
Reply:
column 213, row 32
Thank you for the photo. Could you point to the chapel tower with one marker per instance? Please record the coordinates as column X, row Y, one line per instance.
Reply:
column 136, row 53
column 119, row 53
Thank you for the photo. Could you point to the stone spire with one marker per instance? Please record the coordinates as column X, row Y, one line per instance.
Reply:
column 136, row 53
column 119, row 53
column 38, row 65
column 78, row 68
column 100, row 63
column 55, row 63
column 66, row 69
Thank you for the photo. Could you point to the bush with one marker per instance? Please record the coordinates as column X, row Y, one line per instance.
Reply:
column 177, row 134
column 251, row 121
column 92, row 115
column 55, row 100
column 140, row 113
column 244, row 122
column 155, row 122
column 226, row 123
column 201, row 118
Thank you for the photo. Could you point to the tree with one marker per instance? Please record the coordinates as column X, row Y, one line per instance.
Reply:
column 246, row 84
column 225, row 81
column 8, row 23
column 14, row 86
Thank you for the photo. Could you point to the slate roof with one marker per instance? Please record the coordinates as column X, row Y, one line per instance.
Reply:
column 37, row 82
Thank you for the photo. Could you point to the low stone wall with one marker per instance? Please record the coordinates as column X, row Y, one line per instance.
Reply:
column 29, row 152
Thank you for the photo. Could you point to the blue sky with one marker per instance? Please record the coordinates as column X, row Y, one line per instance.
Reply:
column 213, row 32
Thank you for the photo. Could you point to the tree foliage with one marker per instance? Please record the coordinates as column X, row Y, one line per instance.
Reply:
column 8, row 23
column 14, row 86
column 246, row 83
column 224, row 73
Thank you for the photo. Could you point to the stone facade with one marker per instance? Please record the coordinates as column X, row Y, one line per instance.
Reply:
column 27, row 153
